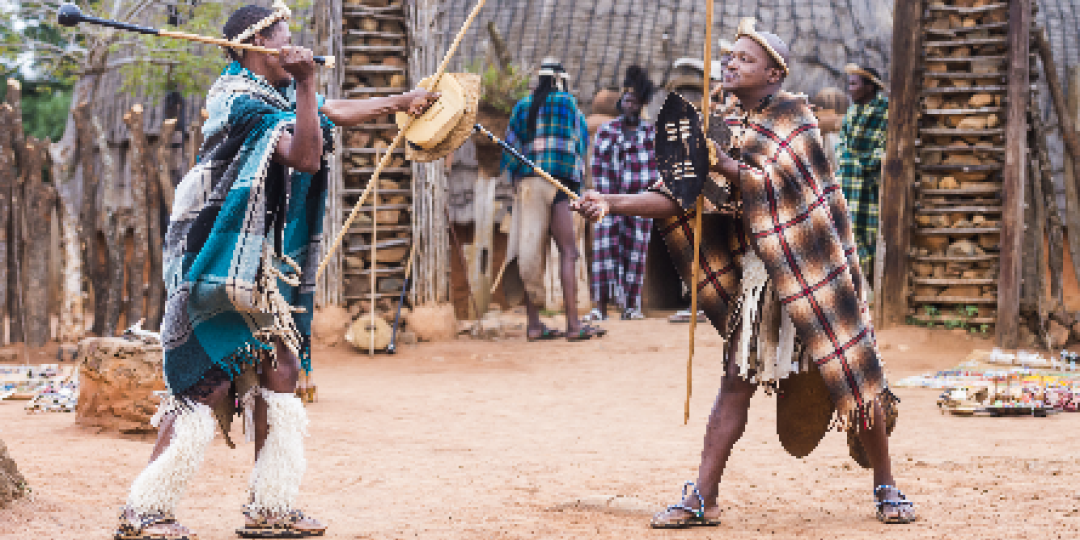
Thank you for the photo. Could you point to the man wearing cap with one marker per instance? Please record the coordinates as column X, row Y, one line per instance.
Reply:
column 623, row 161
column 548, row 128
column 778, row 277
column 241, row 251
column 860, row 152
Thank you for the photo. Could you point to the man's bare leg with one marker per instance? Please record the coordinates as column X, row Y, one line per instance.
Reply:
column 562, row 231
column 727, row 423
column 875, row 441
column 276, row 476
column 157, row 489
column 281, row 379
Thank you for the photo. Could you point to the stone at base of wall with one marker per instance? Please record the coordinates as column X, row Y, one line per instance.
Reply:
column 12, row 483
column 117, row 382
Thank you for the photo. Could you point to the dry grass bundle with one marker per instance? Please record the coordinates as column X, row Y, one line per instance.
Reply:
column 359, row 334
column 432, row 322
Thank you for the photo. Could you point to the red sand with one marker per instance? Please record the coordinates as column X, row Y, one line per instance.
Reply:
column 472, row 439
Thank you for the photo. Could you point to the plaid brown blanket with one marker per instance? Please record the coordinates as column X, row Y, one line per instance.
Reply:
column 793, row 212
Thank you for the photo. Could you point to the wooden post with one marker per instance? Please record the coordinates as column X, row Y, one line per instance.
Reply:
column 1072, row 178
column 88, row 216
column 1057, row 95
column 899, row 175
column 1031, row 245
column 39, row 200
column 137, row 271
column 111, row 229
column 16, row 225
column 1050, row 226
column 158, row 184
column 7, row 184
column 1012, row 193
column 196, row 138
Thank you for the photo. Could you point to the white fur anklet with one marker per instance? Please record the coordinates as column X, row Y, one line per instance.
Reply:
column 275, row 479
column 160, row 485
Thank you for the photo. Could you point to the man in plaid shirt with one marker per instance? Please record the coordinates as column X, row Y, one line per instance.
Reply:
column 624, row 161
column 549, row 129
column 862, row 147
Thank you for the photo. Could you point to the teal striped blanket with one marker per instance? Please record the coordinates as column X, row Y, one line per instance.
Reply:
column 243, row 240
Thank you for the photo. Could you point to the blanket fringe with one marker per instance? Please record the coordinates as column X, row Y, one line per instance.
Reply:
column 862, row 417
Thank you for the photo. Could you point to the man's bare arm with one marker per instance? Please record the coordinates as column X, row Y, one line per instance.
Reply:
column 303, row 149
column 650, row 204
column 350, row 112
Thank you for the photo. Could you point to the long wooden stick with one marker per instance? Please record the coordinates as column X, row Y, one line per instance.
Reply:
column 536, row 168
column 374, row 261
column 397, row 141
column 70, row 15
column 699, row 209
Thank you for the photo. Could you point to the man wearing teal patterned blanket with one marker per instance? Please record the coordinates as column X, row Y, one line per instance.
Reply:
column 241, row 252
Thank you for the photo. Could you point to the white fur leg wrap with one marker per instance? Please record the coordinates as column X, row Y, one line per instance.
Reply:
column 160, row 485
column 275, row 480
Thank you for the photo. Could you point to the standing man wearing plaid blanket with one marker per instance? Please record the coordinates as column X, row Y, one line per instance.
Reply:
column 778, row 277
column 862, row 148
column 623, row 161
column 548, row 128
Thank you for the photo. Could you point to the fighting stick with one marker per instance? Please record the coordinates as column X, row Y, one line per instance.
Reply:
column 392, row 347
column 536, row 169
column 71, row 15
column 699, row 208
column 434, row 83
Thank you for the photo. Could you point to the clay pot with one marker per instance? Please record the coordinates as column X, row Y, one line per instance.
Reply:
column 605, row 100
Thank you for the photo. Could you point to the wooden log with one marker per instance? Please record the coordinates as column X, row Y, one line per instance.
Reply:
column 159, row 189
column 899, row 175
column 40, row 199
column 1072, row 179
column 1031, row 283
column 196, row 139
column 1008, row 327
column 8, row 182
column 1057, row 94
column 139, row 221
column 111, row 230
column 66, row 270
column 88, row 214
column 1051, row 227
column 16, row 224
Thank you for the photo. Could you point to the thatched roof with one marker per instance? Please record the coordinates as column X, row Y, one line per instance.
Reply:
column 597, row 40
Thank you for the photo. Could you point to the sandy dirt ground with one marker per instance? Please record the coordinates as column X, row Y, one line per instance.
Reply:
column 509, row 440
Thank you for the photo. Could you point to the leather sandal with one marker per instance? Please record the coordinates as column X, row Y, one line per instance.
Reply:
column 895, row 510
column 695, row 517
column 156, row 526
column 291, row 524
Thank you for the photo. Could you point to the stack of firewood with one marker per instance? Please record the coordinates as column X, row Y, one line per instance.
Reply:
column 377, row 245
column 961, row 156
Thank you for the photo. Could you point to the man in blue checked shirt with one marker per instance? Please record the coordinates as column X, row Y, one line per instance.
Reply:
column 549, row 129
